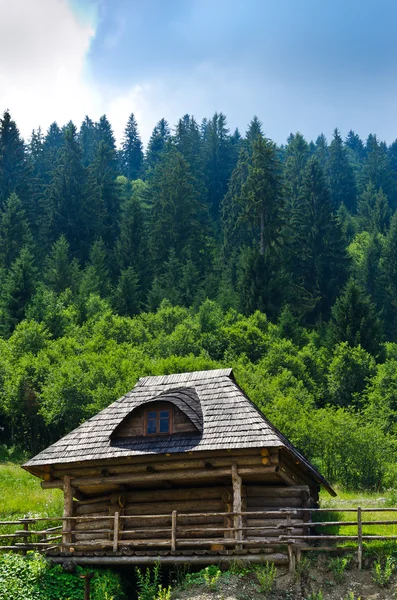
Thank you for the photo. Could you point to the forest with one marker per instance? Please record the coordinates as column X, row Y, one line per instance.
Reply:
column 207, row 248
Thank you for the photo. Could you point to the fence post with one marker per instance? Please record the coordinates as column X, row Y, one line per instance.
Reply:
column 25, row 537
column 360, row 538
column 291, row 557
column 173, row 530
column 116, row 531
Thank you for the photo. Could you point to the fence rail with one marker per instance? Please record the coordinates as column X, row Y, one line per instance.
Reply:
column 62, row 536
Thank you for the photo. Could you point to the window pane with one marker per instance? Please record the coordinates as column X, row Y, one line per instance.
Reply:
column 152, row 415
column 164, row 414
column 164, row 425
column 151, row 426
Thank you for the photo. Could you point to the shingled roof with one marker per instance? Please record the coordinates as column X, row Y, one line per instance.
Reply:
column 224, row 416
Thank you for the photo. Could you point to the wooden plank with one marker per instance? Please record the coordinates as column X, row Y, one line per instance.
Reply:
column 173, row 530
column 360, row 539
column 67, row 510
column 116, row 531
column 237, row 482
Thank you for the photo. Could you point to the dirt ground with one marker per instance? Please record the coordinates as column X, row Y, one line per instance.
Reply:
column 355, row 585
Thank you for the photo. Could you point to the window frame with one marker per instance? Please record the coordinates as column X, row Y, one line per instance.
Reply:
column 157, row 411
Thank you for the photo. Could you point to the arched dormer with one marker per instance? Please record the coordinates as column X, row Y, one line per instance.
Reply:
column 174, row 411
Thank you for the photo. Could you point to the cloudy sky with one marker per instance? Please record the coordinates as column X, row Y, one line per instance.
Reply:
column 307, row 65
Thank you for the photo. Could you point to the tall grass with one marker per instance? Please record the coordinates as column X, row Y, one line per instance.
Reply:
column 21, row 494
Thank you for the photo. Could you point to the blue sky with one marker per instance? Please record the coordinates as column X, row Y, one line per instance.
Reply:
column 307, row 65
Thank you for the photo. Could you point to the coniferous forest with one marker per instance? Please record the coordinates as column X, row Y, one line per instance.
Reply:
column 207, row 248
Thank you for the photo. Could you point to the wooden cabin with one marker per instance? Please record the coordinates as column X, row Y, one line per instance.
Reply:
column 184, row 466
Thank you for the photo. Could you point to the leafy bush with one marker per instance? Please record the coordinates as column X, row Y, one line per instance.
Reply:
column 211, row 575
column 266, row 576
column 148, row 582
column 31, row 577
column 338, row 567
column 381, row 573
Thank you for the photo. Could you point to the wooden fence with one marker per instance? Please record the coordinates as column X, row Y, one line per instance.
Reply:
column 61, row 537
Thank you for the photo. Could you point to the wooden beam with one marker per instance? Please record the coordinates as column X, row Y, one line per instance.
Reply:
column 67, row 512
column 237, row 482
column 189, row 474
column 276, row 558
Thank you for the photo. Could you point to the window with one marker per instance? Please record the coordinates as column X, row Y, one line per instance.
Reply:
column 157, row 421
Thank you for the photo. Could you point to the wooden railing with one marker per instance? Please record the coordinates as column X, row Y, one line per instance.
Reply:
column 62, row 536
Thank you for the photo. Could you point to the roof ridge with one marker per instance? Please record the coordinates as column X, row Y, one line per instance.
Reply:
column 184, row 377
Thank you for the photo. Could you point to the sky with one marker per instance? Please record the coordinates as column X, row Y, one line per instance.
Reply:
column 299, row 65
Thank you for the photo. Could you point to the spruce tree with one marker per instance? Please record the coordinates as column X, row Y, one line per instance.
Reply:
column 261, row 198
column 373, row 211
column 218, row 162
column 67, row 203
column 377, row 169
column 161, row 135
column 87, row 139
column 14, row 231
column 317, row 258
column 126, row 296
column 13, row 167
column 354, row 320
column 131, row 154
column 341, row 176
column 176, row 212
column 18, row 289
column 254, row 131
column 61, row 271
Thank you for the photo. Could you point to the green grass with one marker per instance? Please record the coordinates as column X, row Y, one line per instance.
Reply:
column 21, row 494
column 364, row 500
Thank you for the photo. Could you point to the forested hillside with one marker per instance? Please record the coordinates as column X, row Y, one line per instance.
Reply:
column 208, row 248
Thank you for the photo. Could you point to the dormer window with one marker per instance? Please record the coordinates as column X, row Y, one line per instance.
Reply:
column 158, row 421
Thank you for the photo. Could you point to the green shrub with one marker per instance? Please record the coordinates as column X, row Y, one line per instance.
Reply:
column 381, row 574
column 266, row 575
column 211, row 575
column 338, row 567
column 148, row 582
column 31, row 577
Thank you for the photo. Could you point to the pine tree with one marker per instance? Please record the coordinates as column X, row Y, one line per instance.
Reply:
column 254, row 131
column 261, row 194
column 161, row 135
column 317, row 258
column 389, row 267
column 235, row 232
column 188, row 142
column 131, row 248
column 61, row 272
column 342, row 180
column 175, row 212
column 218, row 162
column 67, row 203
column 296, row 156
column 322, row 152
column 18, row 289
column 131, row 150
column 102, row 202
column 377, row 169
column 88, row 139
column 104, row 133
column 373, row 211
column 96, row 278
column 14, row 231
column 126, row 297
column 13, row 168
column 355, row 321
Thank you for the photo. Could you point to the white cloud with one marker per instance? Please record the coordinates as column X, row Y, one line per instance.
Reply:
column 43, row 76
